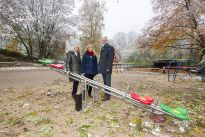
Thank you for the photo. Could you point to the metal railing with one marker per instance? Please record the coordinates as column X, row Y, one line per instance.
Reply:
column 127, row 66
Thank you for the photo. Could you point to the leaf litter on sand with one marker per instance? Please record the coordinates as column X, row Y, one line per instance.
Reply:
column 46, row 130
column 13, row 121
column 44, row 107
column 85, row 130
column 36, row 119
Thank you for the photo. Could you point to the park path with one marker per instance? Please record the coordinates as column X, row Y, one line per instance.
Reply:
column 33, row 76
column 27, row 78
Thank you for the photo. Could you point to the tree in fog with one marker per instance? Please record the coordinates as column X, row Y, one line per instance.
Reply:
column 91, row 22
column 124, row 43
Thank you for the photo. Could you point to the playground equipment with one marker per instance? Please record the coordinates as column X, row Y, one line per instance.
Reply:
column 177, row 112
column 147, row 103
column 144, row 100
column 56, row 66
column 176, row 65
column 45, row 61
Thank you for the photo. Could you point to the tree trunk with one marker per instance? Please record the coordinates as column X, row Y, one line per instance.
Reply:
column 25, row 45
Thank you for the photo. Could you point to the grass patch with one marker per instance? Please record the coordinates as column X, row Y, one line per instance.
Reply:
column 34, row 113
column 22, row 96
column 114, row 122
column 69, row 121
column 138, row 122
column 88, row 110
column 47, row 109
column 38, row 120
column 16, row 55
column 84, row 130
column 46, row 130
column 115, row 105
column 101, row 118
column 13, row 121
column 3, row 113
column 136, row 134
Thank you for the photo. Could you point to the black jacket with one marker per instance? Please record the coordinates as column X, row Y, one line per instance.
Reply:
column 106, row 59
column 89, row 64
column 73, row 62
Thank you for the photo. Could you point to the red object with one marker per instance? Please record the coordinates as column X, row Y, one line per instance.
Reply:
column 145, row 100
column 90, row 53
column 57, row 66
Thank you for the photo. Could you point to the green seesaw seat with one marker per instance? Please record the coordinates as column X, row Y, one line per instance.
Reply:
column 178, row 112
column 45, row 61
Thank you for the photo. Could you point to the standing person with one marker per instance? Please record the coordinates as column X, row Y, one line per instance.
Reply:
column 89, row 65
column 73, row 64
column 201, row 65
column 105, row 63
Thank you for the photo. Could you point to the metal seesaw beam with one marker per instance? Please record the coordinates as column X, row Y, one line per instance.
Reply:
column 153, row 108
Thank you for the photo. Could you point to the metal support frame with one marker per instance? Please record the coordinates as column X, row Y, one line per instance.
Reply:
column 85, row 94
column 153, row 108
column 175, row 72
column 178, row 65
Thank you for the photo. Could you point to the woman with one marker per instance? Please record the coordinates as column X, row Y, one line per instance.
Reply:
column 89, row 65
column 73, row 64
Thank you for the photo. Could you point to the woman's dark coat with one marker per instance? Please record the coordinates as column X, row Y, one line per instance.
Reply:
column 73, row 62
column 89, row 64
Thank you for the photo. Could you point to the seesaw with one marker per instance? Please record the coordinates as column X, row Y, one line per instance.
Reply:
column 45, row 61
column 56, row 66
column 144, row 102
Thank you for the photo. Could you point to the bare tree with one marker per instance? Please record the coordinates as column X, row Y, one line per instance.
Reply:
column 37, row 23
column 91, row 22
column 124, row 43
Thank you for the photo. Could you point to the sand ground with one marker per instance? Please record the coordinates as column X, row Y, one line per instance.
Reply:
column 38, row 103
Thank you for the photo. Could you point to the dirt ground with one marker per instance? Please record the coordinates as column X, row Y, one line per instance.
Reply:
column 37, row 103
column 15, row 79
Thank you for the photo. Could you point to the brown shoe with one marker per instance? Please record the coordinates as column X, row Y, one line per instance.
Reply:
column 90, row 96
column 105, row 98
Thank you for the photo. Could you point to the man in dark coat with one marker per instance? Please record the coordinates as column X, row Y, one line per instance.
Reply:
column 73, row 64
column 105, row 63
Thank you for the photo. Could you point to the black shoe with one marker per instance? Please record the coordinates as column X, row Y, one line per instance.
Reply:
column 105, row 98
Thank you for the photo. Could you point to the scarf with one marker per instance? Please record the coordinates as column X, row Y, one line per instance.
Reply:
column 90, row 53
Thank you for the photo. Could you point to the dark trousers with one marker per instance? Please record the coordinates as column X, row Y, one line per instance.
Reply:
column 107, row 81
column 203, row 74
column 88, row 87
column 75, row 87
